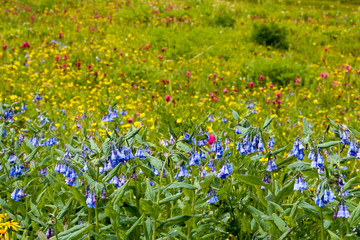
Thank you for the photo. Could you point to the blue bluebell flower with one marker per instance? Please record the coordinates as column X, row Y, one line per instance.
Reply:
column 214, row 198
column 300, row 184
column 342, row 211
column 224, row 120
column 225, row 171
column 91, row 200
column 211, row 118
column 237, row 131
column 298, row 150
column 271, row 143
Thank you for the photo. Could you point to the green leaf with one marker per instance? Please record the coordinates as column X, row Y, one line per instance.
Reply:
column 286, row 234
column 308, row 208
column 251, row 180
column 75, row 232
column 180, row 185
column 306, row 128
column 328, row 144
column 183, row 147
column 65, row 209
column 112, row 173
column 172, row 131
column 94, row 147
column 267, row 122
column 285, row 191
column 333, row 236
column 171, row 198
column 300, row 166
column 41, row 235
column 176, row 220
column 118, row 193
column 235, row 115
column 279, row 223
column 355, row 217
column 31, row 155
column 131, row 134
column 332, row 122
column 134, row 225
column 351, row 182
column 106, row 147
column 155, row 162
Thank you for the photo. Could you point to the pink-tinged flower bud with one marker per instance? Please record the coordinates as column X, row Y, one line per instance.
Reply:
column 261, row 78
column 167, row 98
column 251, row 84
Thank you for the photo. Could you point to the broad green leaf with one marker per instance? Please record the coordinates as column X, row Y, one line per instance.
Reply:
column 328, row 144
column 251, row 180
column 280, row 223
column 180, row 185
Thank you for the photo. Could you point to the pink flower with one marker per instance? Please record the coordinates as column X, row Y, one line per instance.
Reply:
column 211, row 139
column 268, row 101
column 65, row 56
column 57, row 58
column 160, row 57
column 130, row 120
column 212, row 95
column 225, row 90
column 167, row 98
column 78, row 64
column 297, row 80
column 271, row 85
column 163, row 49
column 335, row 83
column 261, row 78
column 4, row 47
column 278, row 95
column 251, row 84
column 326, row 49
column 188, row 74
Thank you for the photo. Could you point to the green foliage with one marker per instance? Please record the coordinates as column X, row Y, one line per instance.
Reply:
column 225, row 20
column 270, row 34
column 279, row 71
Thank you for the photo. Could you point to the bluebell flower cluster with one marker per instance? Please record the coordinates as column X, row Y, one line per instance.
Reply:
column 266, row 179
column 344, row 136
column 341, row 211
column 118, row 182
column 225, row 171
column 300, row 184
column 271, row 165
column 250, row 145
column 17, row 194
column 8, row 115
column 111, row 116
column 68, row 172
column 214, row 198
column 317, row 160
column 17, row 170
column 183, row 172
column 217, row 148
column 354, row 150
column 90, row 199
column 271, row 143
column 327, row 197
column 298, row 150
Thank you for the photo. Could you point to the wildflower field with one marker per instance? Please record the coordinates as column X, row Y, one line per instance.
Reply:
column 201, row 119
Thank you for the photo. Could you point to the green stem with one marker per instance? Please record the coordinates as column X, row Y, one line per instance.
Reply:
column 96, row 219
column 89, row 219
column 159, row 191
column 322, row 225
